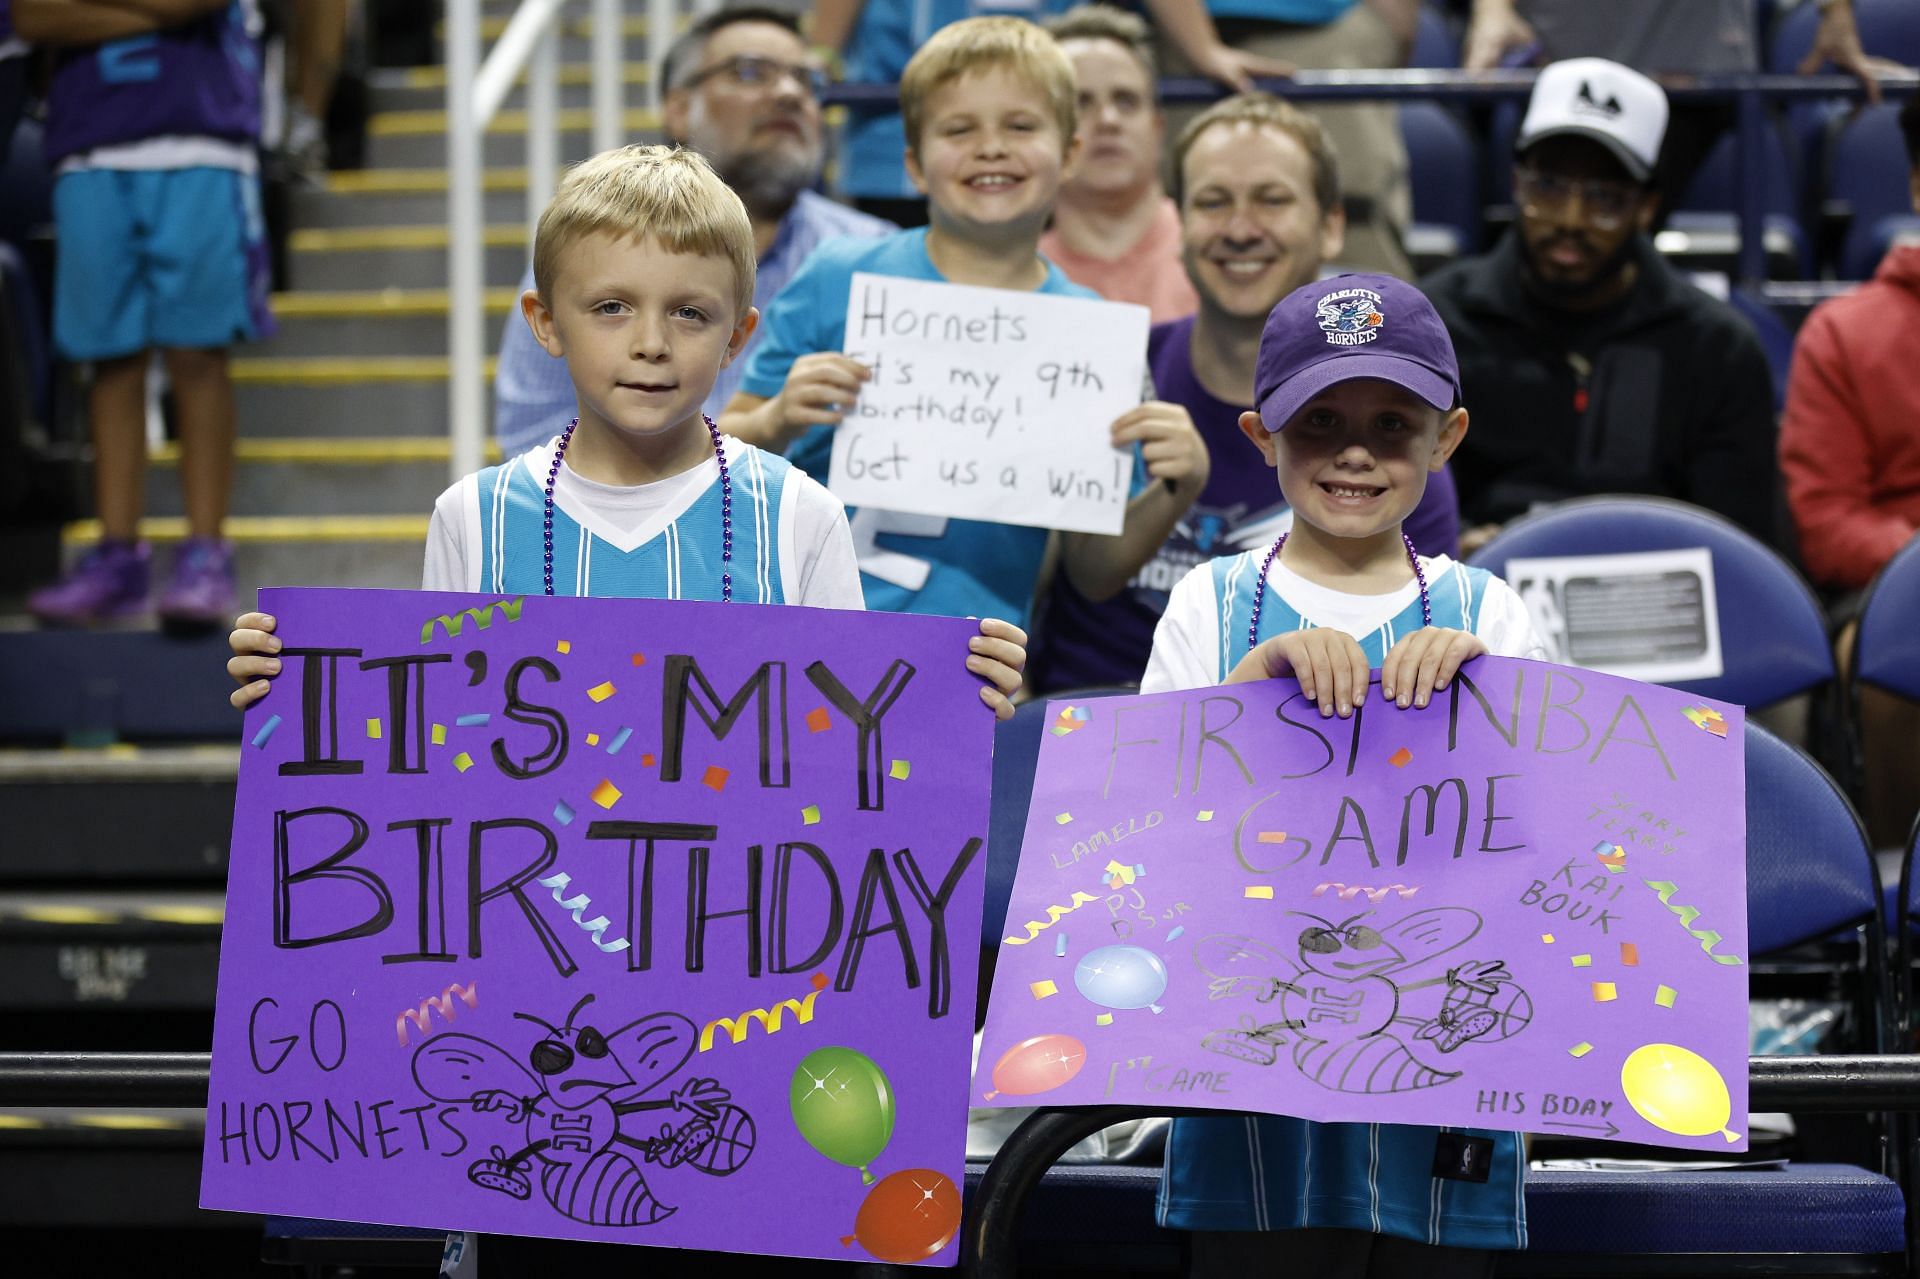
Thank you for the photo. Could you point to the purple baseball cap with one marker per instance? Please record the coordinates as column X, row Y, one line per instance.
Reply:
column 1347, row 327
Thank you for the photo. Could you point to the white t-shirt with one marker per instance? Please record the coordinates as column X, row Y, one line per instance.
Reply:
column 1187, row 643
column 815, row 544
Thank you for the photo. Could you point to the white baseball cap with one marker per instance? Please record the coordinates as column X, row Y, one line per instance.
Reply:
column 1616, row 106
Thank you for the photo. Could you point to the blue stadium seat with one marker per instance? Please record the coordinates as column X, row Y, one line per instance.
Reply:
column 318, row 1247
column 1887, row 646
column 1435, row 46
column 1886, row 655
column 1444, row 167
column 1772, row 631
column 1888, row 29
column 1868, row 178
column 1809, row 874
column 26, row 187
column 1775, row 338
column 26, row 376
column 1712, row 199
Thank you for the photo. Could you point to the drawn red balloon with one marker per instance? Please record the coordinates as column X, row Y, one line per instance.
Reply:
column 1038, row 1064
column 908, row 1216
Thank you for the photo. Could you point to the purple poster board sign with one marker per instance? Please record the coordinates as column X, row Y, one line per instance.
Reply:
column 618, row 920
column 1523, row 907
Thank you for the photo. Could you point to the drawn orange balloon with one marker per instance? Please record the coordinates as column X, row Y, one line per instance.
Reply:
column 908, row 1216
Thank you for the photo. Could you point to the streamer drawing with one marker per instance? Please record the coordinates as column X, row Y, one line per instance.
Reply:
column 596, row 927
column 1055, row 914
column 1707, row 937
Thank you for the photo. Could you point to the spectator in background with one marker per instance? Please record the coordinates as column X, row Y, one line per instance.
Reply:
column 742, row 92
column 1260, row 214
column 1850, row 449
column 153, row 123
column 1660, row 36
column 1334, row 35
column 1114, row 229
column 318, row 44
column 875, row 38
column 13, row 78
column 1591, row 366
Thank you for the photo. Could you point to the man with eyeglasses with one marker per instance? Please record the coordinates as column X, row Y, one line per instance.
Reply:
column 742, row 91
column 1591, row 365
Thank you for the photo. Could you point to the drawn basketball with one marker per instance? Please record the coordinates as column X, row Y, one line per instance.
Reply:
column 1506, row 1008
column 731, row 1144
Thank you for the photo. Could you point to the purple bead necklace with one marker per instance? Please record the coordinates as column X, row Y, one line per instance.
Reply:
column 726, row 506
column 1260, row 591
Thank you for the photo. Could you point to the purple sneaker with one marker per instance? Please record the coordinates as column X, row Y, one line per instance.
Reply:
column 109, row 581
column 199, row 596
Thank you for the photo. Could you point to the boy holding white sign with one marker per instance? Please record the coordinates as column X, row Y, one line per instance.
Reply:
column 990, row 107
column 1357, row 402
column 645, row 267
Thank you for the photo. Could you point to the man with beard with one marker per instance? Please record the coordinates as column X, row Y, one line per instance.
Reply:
column 1258, row 191
column 742, row 91
column 1591, row 366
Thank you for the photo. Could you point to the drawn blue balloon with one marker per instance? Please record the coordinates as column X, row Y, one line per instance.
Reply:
column 1121, row 976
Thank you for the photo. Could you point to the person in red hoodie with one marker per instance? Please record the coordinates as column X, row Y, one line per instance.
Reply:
column 1850, row 450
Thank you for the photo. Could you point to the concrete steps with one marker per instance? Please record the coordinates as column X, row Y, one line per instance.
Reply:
column 414, row 197
column 372, row 322
column 395, row 257
column 376, row 475
column 425, row 88
column 419, row 138
column 339, row 395
column 384, row 551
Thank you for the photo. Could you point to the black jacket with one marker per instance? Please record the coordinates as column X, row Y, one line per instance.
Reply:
column 1666, row 392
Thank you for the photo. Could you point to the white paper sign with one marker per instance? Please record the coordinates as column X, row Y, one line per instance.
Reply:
column 989, row 404
column 1649, row 615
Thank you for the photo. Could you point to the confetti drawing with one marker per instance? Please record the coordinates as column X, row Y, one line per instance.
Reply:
column 1343, row 995
column 576, row 1092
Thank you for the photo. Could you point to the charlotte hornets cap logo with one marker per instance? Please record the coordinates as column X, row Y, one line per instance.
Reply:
column 1351, row 317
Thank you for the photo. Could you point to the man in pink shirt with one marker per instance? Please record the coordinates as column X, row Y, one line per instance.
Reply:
column 1850, row 450
column 1114, row 229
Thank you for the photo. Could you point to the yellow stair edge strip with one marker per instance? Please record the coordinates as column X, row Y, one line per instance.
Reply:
column 341, row 370
column 368, row 450
column 493, row 26
column 433, row 122
column 363, row 238
column 263, row 529
column 571, row 73
column 416, row 181
column 381, row 304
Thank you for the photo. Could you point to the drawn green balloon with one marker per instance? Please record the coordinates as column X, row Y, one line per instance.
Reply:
column 843, row 1105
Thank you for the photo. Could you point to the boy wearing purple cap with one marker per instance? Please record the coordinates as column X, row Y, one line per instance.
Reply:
column 1357, row 398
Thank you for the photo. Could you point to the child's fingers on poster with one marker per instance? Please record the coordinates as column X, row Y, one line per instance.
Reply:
column 247, row 694
column 253, row 633
column 1001, row 640
column 245, row 670
column 997, row 702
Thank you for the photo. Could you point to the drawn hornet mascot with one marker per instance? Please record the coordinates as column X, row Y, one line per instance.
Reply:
column 578, row 1104
column 1351, row 993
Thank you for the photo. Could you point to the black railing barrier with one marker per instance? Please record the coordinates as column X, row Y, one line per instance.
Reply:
column 1833, row 1085
column 1801, row 1084
column 1749, row 92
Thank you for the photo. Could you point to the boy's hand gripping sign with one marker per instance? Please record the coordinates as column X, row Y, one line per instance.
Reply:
column 619, row 920
column 989, row 404
column 1523, row 907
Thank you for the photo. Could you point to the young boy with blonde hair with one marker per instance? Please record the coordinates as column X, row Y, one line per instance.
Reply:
column 1356, row 404
column 990, row 111
column 644, row 269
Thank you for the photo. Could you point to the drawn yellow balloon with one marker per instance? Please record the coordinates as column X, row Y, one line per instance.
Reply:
column 1677, row 1091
